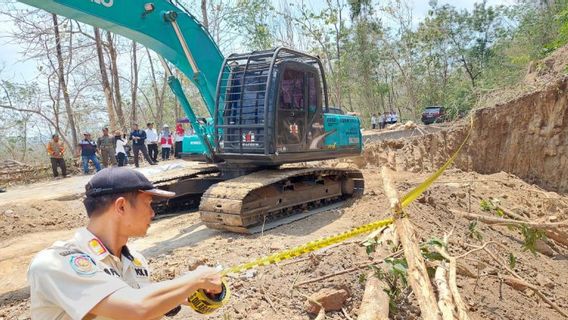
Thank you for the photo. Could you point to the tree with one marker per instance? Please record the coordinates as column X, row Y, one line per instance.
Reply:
column 115, row 81
column 252, row 18
column 134, row 83
column 204, row 14
column 104, row 80
column 63, row 83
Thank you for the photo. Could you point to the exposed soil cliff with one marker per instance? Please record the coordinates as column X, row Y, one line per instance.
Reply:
column 527, row 137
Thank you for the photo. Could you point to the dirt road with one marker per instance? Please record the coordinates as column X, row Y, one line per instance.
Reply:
column 73, row 187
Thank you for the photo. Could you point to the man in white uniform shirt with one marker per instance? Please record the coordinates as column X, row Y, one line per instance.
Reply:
column 152, row 141
column 95, row 275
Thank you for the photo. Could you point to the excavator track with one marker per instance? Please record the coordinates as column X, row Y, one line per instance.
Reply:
column 182, row 173
column 188, row 184
column 269, row 196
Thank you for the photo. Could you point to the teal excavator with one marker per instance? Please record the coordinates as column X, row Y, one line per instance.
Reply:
column 269, row 109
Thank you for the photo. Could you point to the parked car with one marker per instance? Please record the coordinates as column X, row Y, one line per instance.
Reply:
column 433, row 114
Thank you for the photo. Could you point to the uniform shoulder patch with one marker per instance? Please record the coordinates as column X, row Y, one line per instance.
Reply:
column 83, row 265
column 97, row 247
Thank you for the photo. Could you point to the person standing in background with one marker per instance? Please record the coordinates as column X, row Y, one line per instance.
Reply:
column 394, row 117
column 120, row 152
column 107, row 147
column 374, row 121
column 138, row 138
column 88, row 153
column 152, row 141
column 389, row 118
column 166, row 141
column 55, row 149
column 180, row 133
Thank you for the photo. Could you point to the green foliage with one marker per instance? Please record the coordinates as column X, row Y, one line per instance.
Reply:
column 253, row 17
column 492, row 206
column 370, row 246
column 499, row 212
column 473, row 232
column 512, row 260
column 486, row 205
column 531, row 235
column 436, row 242
column 396, row 279
column 358, row 7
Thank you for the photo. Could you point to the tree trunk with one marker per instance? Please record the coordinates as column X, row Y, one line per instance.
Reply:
column 104, row 77
column 158, row 95
column 204, row 13
column 63, row 84
column 116, row 82
column 134, row 82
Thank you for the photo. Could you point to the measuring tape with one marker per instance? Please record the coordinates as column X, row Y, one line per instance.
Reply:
column 202, row 303
column 205, row 303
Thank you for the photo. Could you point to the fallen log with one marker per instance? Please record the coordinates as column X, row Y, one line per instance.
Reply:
column 417, row 273
column 375, row 303
column 445, row 301
column 460, row 305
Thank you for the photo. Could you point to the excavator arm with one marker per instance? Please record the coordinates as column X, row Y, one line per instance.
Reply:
column 168, row 30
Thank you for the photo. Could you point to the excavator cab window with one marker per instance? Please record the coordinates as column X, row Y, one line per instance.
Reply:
column 315, row 113
column 299, row 109
column 291, row 111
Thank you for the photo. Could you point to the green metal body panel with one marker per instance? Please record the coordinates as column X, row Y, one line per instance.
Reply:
column 192, row 144
column 344, row 131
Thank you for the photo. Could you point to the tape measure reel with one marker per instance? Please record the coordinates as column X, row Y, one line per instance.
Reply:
column 205, row 303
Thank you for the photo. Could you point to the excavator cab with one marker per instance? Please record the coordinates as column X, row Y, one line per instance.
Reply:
column 271, row 109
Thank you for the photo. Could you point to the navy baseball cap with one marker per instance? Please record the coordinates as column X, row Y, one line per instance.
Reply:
column 120, row 180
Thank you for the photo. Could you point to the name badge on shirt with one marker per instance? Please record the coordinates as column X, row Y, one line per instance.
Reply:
column 141, row 272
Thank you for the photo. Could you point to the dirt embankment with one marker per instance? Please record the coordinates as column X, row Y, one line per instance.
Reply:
column 527, row 137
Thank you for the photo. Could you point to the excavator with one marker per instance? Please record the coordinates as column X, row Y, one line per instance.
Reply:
column 269, row 119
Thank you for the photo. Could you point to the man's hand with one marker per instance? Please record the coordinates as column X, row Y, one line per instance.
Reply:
column 208, row 279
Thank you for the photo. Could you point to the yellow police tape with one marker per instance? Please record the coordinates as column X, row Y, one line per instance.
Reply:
column 331, row 240
column 202, row 304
